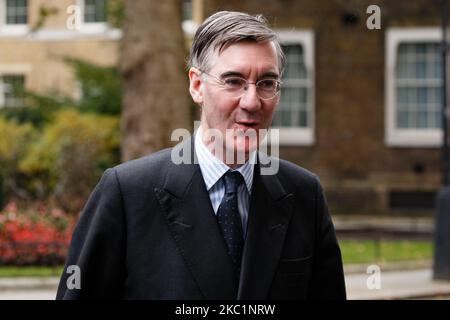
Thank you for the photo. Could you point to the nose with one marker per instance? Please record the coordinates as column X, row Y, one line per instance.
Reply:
column 249, row 99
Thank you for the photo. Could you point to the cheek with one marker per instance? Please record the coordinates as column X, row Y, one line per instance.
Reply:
column 269, row 110
column 223, row 109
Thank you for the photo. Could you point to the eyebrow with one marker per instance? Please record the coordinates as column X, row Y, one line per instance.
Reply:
column 268, row 74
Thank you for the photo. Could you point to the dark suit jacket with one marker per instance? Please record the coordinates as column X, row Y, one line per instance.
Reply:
column 148, row 231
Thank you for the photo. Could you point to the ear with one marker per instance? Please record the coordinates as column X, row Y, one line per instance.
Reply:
column 196, row 85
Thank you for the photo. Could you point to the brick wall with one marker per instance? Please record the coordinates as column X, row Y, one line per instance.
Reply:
column 357, row 169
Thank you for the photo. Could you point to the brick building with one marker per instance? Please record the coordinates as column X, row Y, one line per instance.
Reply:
column 365, row 114
column 359, row 107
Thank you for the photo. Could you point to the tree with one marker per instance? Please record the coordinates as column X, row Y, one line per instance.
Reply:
column 155, row 89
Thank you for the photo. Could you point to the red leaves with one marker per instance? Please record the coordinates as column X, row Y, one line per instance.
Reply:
column 37, row 236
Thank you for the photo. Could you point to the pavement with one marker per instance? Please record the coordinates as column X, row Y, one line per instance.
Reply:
column 384, row 226
column 396, row 285
column 28, row 288
column 362, row 284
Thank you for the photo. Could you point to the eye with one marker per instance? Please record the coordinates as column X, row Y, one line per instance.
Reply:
column 234, row 83
column 268, row 84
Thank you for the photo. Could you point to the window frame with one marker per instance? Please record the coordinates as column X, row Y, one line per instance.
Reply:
column 296, row 136
column 14, row 69
column 12, row 29
column 3, row 92
column 91, row 27
column 401, row 137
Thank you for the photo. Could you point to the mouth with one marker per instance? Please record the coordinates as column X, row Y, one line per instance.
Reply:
column 247, row 124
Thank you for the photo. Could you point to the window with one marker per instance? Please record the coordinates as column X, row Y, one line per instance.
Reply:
column 11, row 90
column 294, row 115
column 13, row 18
column 413, row 88
column 94, row 11
column 187, row 10
column 188, row 24
column 293, row 108
column 94, row 17
column 16, row 12
column 418, row 78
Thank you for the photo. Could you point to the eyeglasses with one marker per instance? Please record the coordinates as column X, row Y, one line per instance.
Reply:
column 265, row 88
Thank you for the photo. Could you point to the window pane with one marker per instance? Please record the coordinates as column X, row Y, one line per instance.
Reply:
column 419, row 85
column 436, row 95
column 12, row 88
column 295, row 66
column 94, row 11
column 303, row 119
column 421, row 69
column 293, row 108
column 402, row 119
column 422, row 118
column 435, row 119
column 187, row 10
column 402, row 97
column 16, row 11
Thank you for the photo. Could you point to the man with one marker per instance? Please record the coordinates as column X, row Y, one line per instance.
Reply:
column 212, row 228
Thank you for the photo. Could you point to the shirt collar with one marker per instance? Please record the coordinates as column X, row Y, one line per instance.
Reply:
column 213, row 168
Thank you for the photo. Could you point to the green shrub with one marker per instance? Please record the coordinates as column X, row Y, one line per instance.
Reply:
column 38, row 109
column 14, row 143
column 100, row 87
column 100, row 93
column 70, row 156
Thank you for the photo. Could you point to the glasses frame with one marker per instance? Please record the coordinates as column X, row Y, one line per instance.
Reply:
column 247, row 83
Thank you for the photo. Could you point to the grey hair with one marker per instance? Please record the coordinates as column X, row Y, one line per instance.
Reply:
column 224, row 28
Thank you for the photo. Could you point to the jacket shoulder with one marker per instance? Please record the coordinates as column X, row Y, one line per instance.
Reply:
column 295, row 177
column 288, row 168
column 145, row 169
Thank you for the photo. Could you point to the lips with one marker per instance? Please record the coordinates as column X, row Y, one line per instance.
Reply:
column 247, row 124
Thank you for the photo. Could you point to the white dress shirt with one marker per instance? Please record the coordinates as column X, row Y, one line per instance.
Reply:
column 213, row 169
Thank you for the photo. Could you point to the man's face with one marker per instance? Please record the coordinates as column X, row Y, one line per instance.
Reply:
column 224, row 110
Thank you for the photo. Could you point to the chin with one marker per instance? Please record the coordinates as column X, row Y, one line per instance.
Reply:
column 246, row 144
column 240, row 147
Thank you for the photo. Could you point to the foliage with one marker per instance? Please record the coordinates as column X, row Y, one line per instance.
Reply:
column 37, row 236
column 100, row 93
column 116, row 13
column 11, row 271
column 100, row 87
column 13, row 142
column 55, row 147
column 14, row 145
column 38, row 109
column 356, row 251
column 70, row 155
column 44, row 13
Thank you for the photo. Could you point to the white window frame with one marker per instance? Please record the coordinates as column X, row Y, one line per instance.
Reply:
column 12, row 30
column 291, row 136
column 399, row 137
column 189, row 26
column 13, row 69
column 91, row 27
column 86, row 30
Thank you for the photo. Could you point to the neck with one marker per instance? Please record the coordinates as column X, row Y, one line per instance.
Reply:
column 231, row 157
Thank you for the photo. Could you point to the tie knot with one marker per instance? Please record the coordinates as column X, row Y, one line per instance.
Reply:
column 232, row 181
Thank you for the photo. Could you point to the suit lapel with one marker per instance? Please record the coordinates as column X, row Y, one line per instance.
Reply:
column 194, row 227
column 269, row 217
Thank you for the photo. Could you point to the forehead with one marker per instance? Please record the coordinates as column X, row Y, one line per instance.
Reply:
column 246, row 57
